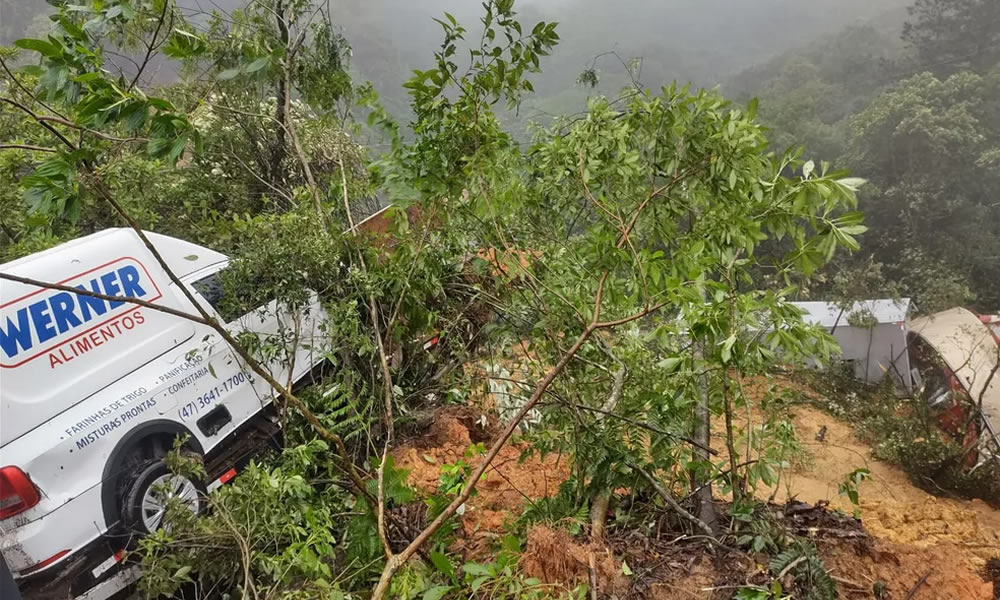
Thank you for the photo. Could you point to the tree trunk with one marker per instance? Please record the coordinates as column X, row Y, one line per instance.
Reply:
column 702, row 435
column 739, row 490
column 275, row 171
column 602, row 499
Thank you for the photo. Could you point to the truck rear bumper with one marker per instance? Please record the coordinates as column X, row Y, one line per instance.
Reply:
column 54, row 538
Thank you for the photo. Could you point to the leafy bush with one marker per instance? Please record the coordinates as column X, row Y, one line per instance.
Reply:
column 273, row 529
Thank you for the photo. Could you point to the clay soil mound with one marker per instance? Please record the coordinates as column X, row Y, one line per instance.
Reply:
column 555, row 557
column 896, row 569
column 516, row 478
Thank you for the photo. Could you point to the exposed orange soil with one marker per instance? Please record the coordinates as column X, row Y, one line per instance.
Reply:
column 505, row 488
column 901, row 566
column 920, row 531
column 891, row 506
column 554, row 557
column 913, row 533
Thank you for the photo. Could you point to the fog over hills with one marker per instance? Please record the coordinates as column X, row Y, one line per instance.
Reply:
column 704, row 41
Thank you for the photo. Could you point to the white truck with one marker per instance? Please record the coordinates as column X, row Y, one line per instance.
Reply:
column 93, row 394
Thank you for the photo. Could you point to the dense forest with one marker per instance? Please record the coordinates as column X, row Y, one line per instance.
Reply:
column 569, row 220
column 912, row 108
column 835, row 82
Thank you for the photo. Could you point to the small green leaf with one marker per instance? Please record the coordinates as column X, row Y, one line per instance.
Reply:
column 852, row 183
column 808, row 168
column 625, row 569
column 727, row 349
column 157, row 146
column 437, row 592
column 478, row 582
column 256, row 65
column 135, row 116
column 160, row 103
column 177, row 149
column 669, row 364
column 33, row 70
column 40, row 46
column 475, row 569
column 87, row 77
column 54, row 167
column 227, row 74
column 443, row 564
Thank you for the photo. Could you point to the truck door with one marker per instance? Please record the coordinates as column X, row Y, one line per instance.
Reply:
column 221, row 395
column 281, row 338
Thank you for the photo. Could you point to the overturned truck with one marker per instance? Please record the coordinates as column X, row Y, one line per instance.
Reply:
column 955, row 359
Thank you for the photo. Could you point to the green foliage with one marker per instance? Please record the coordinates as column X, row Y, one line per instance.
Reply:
column 935, row 463
column 807, row 95
column 87, row 107
column 801, row 560
column 694, row 252
column 365, row 550
column 562, row 509
column 497, row 579
column 344, row 409
column 588, row 78
column 850, row 485
column 101, row 122
column 920, row 123
column 762, row 594
column 795, row 565
column 954, row 35
column 455, row 476
column 456, row 132
column 653, row 214
column 70, row 77
column 270, row 529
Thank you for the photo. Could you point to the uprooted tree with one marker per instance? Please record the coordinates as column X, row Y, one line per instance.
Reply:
column 620, row 249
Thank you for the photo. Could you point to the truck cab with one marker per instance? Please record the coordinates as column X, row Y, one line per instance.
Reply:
column 94, row 392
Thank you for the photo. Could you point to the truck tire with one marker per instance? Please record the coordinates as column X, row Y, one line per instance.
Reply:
column 144, row 497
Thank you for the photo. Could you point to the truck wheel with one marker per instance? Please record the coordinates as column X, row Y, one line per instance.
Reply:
column 145, row 498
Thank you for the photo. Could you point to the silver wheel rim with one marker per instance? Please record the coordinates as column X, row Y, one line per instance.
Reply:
column 158, row 495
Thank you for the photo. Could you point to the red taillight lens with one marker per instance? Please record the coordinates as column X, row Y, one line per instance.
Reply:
column 17, row 493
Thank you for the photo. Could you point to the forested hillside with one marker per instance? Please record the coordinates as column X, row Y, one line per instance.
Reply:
column 835, row 80
column 564, row 361
column 702, row 42
column 912, row 107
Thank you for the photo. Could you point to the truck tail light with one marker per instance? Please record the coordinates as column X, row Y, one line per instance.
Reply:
column 17, row 493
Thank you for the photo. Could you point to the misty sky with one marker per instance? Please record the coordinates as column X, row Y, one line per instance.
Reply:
column 703, row 41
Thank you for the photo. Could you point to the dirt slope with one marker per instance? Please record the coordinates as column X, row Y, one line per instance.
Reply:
column 891, row 506
column 914, row 534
